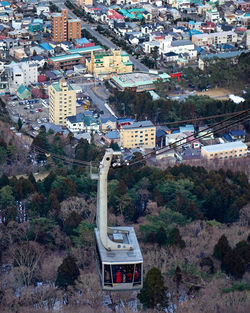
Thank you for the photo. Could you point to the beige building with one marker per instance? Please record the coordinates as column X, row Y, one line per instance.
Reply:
column 62, row 102
column 106, row 63
column 83, row 3
column 228, row 150
column 215, row 38
column 138, row 134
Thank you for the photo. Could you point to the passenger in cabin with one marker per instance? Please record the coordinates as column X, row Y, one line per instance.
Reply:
column 118, row 276
column 124, row 276
column 129, row 277
column 107, row 276
column 137, row 275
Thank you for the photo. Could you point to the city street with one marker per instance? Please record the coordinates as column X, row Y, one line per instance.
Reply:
column 105, row 41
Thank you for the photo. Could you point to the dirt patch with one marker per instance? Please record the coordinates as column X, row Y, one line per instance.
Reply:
column 38, row 176
column 216, row 93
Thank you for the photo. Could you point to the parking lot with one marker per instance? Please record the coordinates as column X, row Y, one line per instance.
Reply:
column 33, row 112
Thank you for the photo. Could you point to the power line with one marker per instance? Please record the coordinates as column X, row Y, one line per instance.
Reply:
column 165, row 149
column 199, row 118
column 158, row 152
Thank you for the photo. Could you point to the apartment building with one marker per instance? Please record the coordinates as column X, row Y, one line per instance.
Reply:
column 138, row 134
column 228, row 150
column 74, row 29
column 63, row 29
column 106, row 63
column 214, row 38
column 66, row 61
column 62, row 102
column 59, row 26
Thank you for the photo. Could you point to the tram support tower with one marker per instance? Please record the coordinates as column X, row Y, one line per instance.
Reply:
column 120, row 263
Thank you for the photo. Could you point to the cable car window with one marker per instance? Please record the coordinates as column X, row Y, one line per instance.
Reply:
column 107, row 275
column 137, row 274
column 123, row 273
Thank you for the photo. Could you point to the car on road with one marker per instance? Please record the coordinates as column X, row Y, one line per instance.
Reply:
column 40, row 110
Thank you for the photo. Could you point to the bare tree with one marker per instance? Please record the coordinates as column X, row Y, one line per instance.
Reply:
column 27, row 259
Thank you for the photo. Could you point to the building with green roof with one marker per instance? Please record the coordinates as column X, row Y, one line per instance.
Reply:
column 23, row 93
column 137, row 81
column 103, row 64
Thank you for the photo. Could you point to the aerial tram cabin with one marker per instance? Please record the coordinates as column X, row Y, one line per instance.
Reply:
column 119, row 259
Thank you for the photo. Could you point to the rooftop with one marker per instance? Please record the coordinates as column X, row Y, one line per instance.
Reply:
column 137, row 78
column 85, row 50
column 138, row 125
column 125, row 256
column 225, row 147
column 66, row 57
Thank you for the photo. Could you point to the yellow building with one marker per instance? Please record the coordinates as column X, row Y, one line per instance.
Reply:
column 138, row 134
column 229, row 150
column 62, row 102
column 106, row 63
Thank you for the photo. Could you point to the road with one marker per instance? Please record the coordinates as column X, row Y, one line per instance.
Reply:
column 98, row 101
column 104, row 40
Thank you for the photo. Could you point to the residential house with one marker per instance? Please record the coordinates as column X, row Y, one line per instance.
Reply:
column 108, row 123
column 112, row 137
column 190, row 154
column 178, row 47
column 238, row 134
column 205, row 133
column 82, row 123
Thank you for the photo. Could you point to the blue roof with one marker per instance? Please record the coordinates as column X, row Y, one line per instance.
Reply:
column 237, row 132
column 227, row 137
column 187, row 128
column 46, row 46
column 160, row 133
column 82, row 41
column 125, row 120
column 113, row 135
column 76, row 118
column 108, row 119
column 4, row 3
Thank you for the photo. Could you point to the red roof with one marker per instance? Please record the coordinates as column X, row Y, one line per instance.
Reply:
column 112, row 14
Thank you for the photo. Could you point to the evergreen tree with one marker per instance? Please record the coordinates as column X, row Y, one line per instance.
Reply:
column 161, row 236
column 153, row 294
column 71, row 222
column 67, row 273
column 233, row 264
column 19, row 124
column 222, row 248
column 242, row 249
column 4, row 180
column 177, row 276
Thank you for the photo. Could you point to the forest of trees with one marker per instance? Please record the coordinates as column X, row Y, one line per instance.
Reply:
column 46, row 229
column 141, row 106
column 220, row 73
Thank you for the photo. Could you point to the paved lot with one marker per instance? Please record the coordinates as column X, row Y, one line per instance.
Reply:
column 32, row 115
